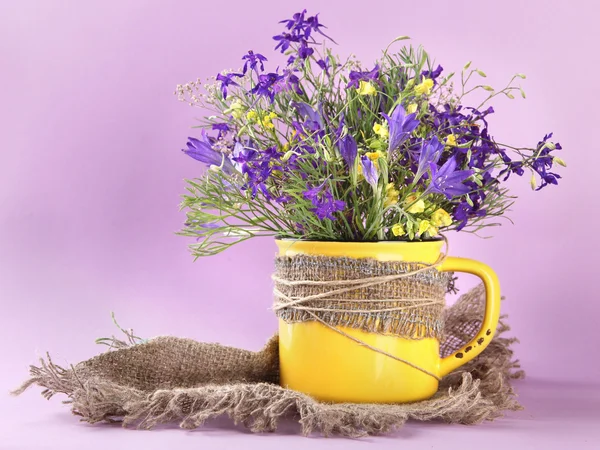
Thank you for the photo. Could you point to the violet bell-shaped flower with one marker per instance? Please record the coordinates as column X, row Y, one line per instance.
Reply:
column 447, row 180
column 348, row 149
column 430, row 153
column 309, row 114
column 400, row 125
column 369, row 171
column 202, row 150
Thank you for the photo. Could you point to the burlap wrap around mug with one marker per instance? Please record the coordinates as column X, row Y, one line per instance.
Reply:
column 356, row 334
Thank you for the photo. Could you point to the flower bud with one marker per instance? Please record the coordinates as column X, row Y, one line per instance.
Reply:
column 522, row 93
column 559, row 161
column 288, row 155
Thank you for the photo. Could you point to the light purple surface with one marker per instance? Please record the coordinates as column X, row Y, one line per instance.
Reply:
column 91, row 175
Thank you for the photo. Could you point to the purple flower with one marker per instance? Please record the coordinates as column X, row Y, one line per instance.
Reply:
column 285, row 40
column 312, row 23
column 463, row 212
column 296, row 23
column 430, row 153
column 257, row 166
column 313, row 121
column 253, row 60
column 201, row 150
column 324, row 203
column 369, row 171
column 308, row 113
column 299, row 32
column 227, row 80
column 544, row 161
column 356, row 77
column 447, row 180
column 348, row 149
column 433, row 74
column 305, row 51
column 324, row 64
column 289, row 81
column 400, row 126
column 540, row 164
column 265, row 85
column 222, row 128
column 301, row 27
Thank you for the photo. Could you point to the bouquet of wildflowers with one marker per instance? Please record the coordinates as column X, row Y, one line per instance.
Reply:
column 326, row 149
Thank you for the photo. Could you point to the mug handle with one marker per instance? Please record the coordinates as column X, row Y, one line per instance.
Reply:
column 492, row 311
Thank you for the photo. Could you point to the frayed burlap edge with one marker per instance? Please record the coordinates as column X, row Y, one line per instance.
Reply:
column 479, row 391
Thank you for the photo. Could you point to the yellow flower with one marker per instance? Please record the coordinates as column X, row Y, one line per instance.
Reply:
column 412, row 108
column 374, row 156
column 426, row 227
column 432, row 231
column 451, row 140
column 423, row 226
column 391, row 195
column 381, row 130
column 440, row 218
column 414, row 206
column 251, row 115
column 236, row 109
column 398, row 230
column 272, row 115
column 266, row 122
column 366, row 88
column 424, row 88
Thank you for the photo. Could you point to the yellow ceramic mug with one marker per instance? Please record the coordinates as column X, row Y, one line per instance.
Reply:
column 329, row 366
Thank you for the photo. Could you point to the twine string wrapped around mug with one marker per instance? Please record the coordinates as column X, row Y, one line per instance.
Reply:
column 399, row 298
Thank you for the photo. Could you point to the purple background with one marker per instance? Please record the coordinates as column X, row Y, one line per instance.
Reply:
column 91, row 175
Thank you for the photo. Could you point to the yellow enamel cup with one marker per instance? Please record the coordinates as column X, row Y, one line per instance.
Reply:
column 329, row 366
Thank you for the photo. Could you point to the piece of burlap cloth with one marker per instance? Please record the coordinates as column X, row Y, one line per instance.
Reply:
column 169, row 379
